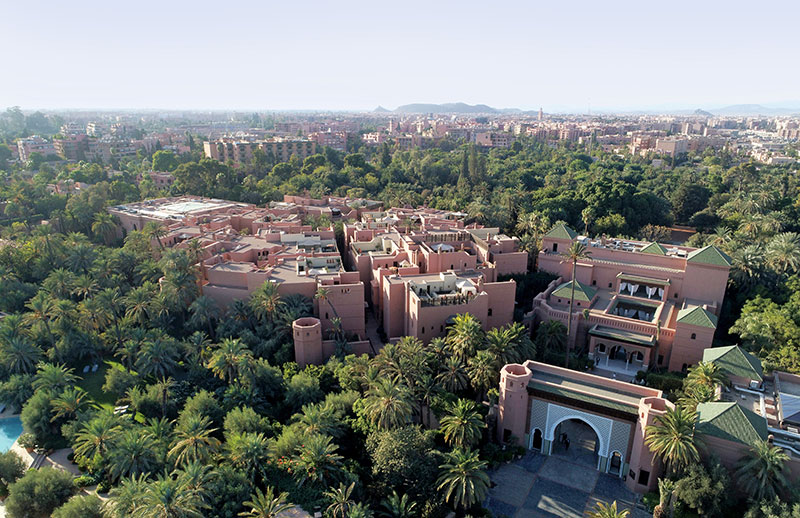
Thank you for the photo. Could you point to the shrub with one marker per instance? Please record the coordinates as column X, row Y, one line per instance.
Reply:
column 38, row 493
column 103, row 486
column 27, row 440
column 80, row 506
column 83, row 481
column 11, row 467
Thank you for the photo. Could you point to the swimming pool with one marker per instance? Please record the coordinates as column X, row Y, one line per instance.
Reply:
column 10, row 430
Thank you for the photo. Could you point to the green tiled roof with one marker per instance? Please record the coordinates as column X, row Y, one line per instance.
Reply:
column 562, row 231
column 583, row 292
column 709, row 255
column 622, row 335
column 735, row 361
column 639, row 278
column 580, row 396
column 730, row 421
column 697, row 316
column 654, row 248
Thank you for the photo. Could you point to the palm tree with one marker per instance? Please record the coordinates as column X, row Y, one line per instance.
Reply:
column 551, row 336
column 341, row 500
column 318, row 460
column 67, row 405
column 323, row 294
column 19, row 355
column 53, row 377
column 397, row 506
column 97, row 436
column 247, row 451
column 41, row 309
column 783, row 252
column 465, row 336
column 672, row 438
column 604, row 510
column 747, row 268
column 155, row 231
column 167, row 497
column 483, row 372
column 125, row 496
column 158, row 357
column 664, row 507
column 81, row 258
column 204, row 311
column 388, row 404
column 230, row 360
column 138, row 302
column 267, row 504
column 693, row 395
column 763, row 473
column 104, row 227
column 707, row 374
column 265, row 301
column 452, row 376
column 463, row 424
column 132, row 453
column 194, row 440
column 84, row 286
column 463, row 479
column 576, row 252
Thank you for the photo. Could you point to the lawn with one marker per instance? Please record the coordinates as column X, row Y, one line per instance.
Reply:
column 92, row 383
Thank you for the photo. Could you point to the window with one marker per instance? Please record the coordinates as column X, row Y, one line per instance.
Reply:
column 423, row 330
column 326, row 315
column 660, row 359
column 609, row 285
column 694, row 335
column 676, row 295
column 594, row 282
column 490, row 312
column 555, row 247
column 644, row 477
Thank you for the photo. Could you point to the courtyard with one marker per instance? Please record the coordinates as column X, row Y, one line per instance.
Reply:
column 557, row 486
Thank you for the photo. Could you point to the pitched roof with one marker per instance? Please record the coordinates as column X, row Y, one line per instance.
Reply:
column 730, row 421
column 583, row 292
column 654, row 248
column 697, row 316
column 562, row 231
column 623, row 335
column 735, row 361
column 709, row 255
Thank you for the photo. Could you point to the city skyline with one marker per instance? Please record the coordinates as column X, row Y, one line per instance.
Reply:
column 358, row 56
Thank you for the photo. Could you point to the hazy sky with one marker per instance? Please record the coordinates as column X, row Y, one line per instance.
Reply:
column 341, row 54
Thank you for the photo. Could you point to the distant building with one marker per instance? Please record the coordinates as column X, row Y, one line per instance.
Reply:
column 333, row 139
column 34, row 144
column 494, row 139
column 241, row 152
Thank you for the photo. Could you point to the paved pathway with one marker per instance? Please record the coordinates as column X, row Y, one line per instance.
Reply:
column 539, row 486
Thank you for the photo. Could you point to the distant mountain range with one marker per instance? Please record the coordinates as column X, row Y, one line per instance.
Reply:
column 448, row 108
column 733, row 110
column 754, row 109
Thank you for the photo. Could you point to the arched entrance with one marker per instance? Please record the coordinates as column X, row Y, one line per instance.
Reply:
column 615, row 463
column 537, row 440
column 577, row 441
column 618, row 353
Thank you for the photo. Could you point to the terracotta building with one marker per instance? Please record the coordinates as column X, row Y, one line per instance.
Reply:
column 637, row 304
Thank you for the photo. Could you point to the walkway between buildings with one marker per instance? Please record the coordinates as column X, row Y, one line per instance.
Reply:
column 539, row 486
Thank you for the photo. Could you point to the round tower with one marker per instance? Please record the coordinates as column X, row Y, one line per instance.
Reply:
column 513, row 402
column 307, row 333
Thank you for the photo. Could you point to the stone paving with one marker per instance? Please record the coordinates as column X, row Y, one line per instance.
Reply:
column 539, row 486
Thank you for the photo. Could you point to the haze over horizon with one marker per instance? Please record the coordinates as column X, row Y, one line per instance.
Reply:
column 358, row 55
